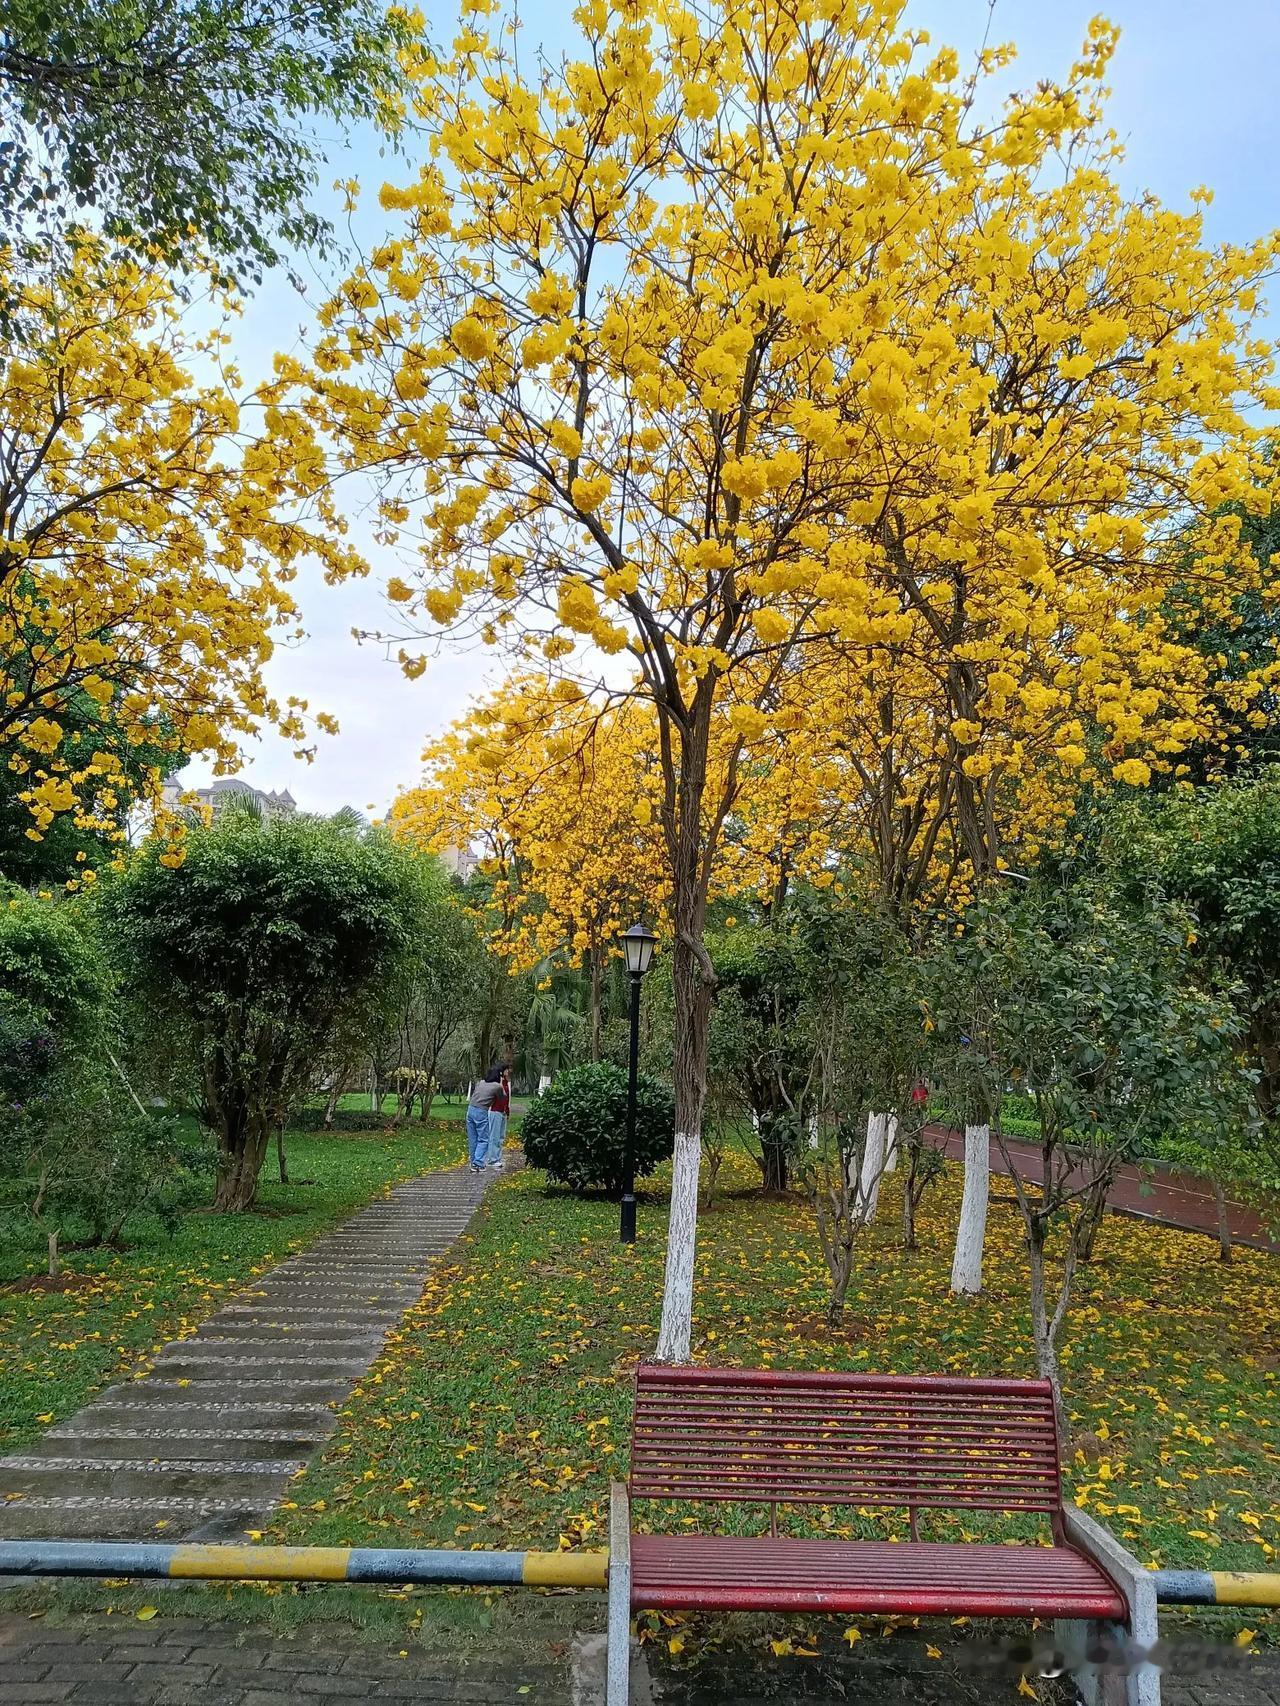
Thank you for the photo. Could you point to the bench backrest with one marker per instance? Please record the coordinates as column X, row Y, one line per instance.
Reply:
column 762, row 1435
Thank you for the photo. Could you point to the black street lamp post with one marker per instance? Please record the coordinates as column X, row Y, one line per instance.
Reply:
column 637, row 945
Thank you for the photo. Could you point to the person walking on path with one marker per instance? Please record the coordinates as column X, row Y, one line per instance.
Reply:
column 483, row 1096
column 498, row 1115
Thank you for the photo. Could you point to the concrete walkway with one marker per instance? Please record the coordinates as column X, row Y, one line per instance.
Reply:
column 206, row 1444
column 1159, row 1193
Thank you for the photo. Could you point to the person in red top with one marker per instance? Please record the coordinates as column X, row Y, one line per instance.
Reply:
column 499, row 1112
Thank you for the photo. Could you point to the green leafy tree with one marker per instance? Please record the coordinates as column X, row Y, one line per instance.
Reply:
column 1091, row 1006
column 442, row 991
column 1217, row 849
column 76, row 1149
column 250, row 956
column 757, row 1060
column 860, row 1022
column 186, row 124
column 576, row 1130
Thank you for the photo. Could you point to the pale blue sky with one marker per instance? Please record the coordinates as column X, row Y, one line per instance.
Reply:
column 1194, row 104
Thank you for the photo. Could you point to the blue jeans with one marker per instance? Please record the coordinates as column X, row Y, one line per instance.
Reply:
column 477, row 1135
column 497, row 1135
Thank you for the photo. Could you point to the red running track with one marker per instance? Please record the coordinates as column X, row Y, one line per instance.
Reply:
column 1159, row 1193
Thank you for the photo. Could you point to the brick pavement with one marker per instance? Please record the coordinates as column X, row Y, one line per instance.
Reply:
column 177, row 1660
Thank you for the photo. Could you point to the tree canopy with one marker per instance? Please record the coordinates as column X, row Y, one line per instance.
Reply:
column 251, row 954
column 740, row 336
column 149, row 528
column 184, row 125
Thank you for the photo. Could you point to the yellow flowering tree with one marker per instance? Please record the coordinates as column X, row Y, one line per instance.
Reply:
column 559, row 795
column 739, row 336
column 147, row 536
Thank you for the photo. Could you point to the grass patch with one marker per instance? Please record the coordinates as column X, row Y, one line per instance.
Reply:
column 500, row 1411
column 58, row 1348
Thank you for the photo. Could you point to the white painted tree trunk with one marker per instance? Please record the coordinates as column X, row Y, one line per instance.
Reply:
column 891, row 1145
column 872, row 1167
column 682, row 1235
column 966, row 1269
column 544, row 1083
column 813, row 1131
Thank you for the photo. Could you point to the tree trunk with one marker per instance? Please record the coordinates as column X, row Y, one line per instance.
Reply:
column 1045, row 1347
column 909, row 1193
column 55, row 1264
column 1224, row 1224
column 966, row 1266
column 597, row 981
column 239, row 1164
column 773, row 1163
column 891, row 1145
column 839, row 1287
column 337, row 1090
column 692, row 1020
column 1092, row 1210
column 280, row 1156
column 693, row 985
column 873, row 1160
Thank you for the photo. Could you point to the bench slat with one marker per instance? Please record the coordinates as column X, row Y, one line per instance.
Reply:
column 726, row 1573
column 754, row 1435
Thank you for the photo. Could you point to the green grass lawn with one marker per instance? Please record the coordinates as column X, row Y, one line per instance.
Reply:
column 58, row 1348
column 500, row 1412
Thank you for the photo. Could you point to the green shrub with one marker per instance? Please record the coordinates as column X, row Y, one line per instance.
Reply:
column 577, row 1129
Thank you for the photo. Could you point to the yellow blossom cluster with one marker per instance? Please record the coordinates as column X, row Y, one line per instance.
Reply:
column 149, row 527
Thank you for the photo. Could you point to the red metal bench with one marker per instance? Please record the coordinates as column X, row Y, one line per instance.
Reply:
column 866, row 1442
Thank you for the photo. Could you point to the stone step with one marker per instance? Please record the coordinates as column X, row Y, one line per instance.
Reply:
column 302, row 1343
column 164, row 1391
column 80, row 1517
column 236, row 1440
column 250, row 1484
column 196, row 1364
column 274, row 1418
column 141, row 1460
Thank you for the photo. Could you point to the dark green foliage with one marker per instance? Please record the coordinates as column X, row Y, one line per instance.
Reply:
column 55, row 993
column 74, row 1146
column 184, row 123
column 576, row 1130
column 246, row 960
column 1090, row 1005
column 1217, row 850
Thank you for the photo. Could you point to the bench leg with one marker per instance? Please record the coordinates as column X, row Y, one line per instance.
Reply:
column 618, row 1681
column 1129, row 1679
column 1105, row 1664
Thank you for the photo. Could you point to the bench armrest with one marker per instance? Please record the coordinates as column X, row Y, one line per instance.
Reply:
column 618, row 1684
column 1137, row 1584
column 1101, row 1545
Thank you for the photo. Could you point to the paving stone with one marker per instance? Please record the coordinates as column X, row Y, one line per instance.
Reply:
column 161, row 1671
column 113, row 1694
column 85, row 1669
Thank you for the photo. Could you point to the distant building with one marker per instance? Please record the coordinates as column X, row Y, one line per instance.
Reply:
column 229, row 790
column 459, row 862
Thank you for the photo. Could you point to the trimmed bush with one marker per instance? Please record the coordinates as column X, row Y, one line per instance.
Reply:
column 577, row 1129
